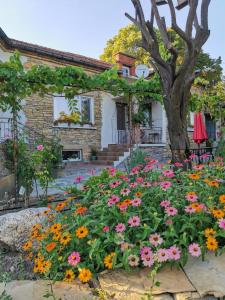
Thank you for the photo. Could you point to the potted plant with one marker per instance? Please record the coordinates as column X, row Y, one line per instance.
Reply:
column 93, row 154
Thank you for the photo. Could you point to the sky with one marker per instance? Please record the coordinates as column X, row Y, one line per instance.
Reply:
column 84, row 26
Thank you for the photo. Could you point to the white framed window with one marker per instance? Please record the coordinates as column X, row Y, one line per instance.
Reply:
column 72, row 155
column 85, row 106
column 126, row 71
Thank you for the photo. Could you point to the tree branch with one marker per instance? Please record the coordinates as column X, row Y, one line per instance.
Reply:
column 204, row 14
column 191, row 17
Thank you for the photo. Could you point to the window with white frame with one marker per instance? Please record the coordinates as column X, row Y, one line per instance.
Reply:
column 126, row 71
column 84, row 105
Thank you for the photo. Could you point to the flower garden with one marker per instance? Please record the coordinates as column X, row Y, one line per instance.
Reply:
column 154, row 216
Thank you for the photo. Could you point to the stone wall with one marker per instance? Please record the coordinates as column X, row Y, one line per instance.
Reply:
column 39, row 116
column 161, row 153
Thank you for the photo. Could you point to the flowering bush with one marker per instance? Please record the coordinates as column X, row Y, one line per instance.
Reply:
column 156, row 215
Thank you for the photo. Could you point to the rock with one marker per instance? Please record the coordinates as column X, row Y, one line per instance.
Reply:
column 35, row 290
column 190, row 296
column 133, row 285
column 207, row 276
column 2, row 288
column 15, row 227
column 163, row 297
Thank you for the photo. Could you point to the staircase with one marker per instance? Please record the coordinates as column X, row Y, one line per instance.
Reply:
column 111, row 154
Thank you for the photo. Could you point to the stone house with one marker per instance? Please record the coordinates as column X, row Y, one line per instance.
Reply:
column 105, row 121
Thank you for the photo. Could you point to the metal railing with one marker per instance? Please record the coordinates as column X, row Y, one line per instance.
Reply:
column 123, row 136
column 151, row 135
column 5, row 129
column 203, row 155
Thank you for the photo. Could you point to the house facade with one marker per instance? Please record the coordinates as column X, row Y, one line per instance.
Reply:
column 105, row 118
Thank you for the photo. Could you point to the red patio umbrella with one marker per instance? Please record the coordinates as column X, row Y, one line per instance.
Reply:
column 199, row 134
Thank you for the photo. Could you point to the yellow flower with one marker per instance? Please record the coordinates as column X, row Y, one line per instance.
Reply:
column 27, row 246
column 108, row 260
column 69, row 276
column 213, row 183
column 194, row 176
column 222, row 198
column 82, row 232
column 84, row 275
column 55, row 227
column 65, row 239
column 209, row 232
column 211, row 244
column 56, row 236
column 36, row 227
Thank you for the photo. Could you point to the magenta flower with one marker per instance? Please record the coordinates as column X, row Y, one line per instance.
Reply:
column 136, row 202
column 222, row 223
column 148, row 168
column 105, row 229
column 162, row 255
column 123, row 207
column 40, row 147
column 139, row 179
column 134, row 221
column 191, row 198
column 148, row 261
column 194, row 249
column 192, row 156
column 178, row 164
column 112, row 171
column 132, row 184
column 113, row 200
column 120, row 227
column 174, row 253
column 165, row 203
column 188, row 209
column 171, row 211
column 79, row 178
column 168, row 173
column 155, row 239
column 125, row 192
column 165, row 185
column 146, row 251
column 74, row 258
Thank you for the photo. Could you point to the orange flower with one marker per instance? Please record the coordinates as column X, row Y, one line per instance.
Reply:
column 34, row 234
column 36, row 227
column 126, row 201
column 81, row 210
column 222, row 198
column 82, row 232
column 213, row 183
column 191, row 193
column 108, row 260
column 218, row 213
column 60, row 206
column 211, row 244
column 55, row 227
column 209, row 232
column 47, row 212
column 196, row 206
column 27, row 246
column 138, row 194
column 84, row 275
column 194, row 176
column 50, row 246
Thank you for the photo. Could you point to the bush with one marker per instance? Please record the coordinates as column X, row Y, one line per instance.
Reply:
column 156, row 216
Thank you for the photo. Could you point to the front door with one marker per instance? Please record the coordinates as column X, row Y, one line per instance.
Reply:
column 121, row 124
column 210, row 127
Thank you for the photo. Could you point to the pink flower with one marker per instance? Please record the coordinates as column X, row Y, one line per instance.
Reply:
column 120, row 227
column 125, row 192
column 168, row 173
column 162, row 255
column 192, row 156
column 205, row 155
column 115, row 184
column 148, row 261
column 139, row 179
column 155, row 239
column 132, row 184
column 40, row 147
column 222, row 223
column 101, row 185
column 165, row 203
column 123, row 207
column 165, row 185
column 194, row 249
column 169, row 222
column 174, row 253
column 198, row 167
column 146, row 251
column 78, row 179
column 171, row 211
column 178, row 164
column 74, row 258
column 146, row 184
column 113, row 200
column 188, row 209
column 123, row 177
column 134, row 221
column 191, row 198
column 136, row 202
column 105, row 228
column 112, row 171
column 148, row 168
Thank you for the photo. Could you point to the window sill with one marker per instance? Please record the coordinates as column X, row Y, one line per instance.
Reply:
column 74, row 127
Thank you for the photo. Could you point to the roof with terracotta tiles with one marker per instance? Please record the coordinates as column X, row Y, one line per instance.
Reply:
column 68, row 57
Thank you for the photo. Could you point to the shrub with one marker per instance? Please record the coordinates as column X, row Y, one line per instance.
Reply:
column 155, row 216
